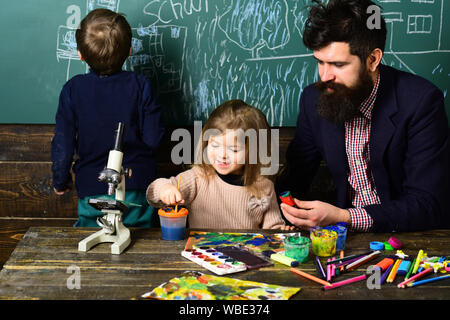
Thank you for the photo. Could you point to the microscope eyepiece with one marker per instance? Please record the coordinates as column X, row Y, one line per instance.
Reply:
column 118, row 139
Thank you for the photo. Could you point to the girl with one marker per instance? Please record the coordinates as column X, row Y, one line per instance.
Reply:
column 226, row 190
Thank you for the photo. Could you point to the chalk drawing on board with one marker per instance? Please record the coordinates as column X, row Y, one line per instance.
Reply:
column 167, row 12
column 420, row 22
column 66, row 47
column 256, row 24
column 112, row 5
column 155, row 53
column 200, row 53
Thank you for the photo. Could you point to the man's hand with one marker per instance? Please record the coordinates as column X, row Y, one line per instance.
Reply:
column 314, row 213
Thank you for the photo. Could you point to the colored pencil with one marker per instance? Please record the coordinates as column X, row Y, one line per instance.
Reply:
column 329, row 271
column 310, row 277
column 333, row 268
column 346, row 262
column 393, row 273
column 385, row 274
column 320, row 268
column 419, row 275
column 418, row 283
column 411, row 267
column 345, row 282
column 350, row 257
column 361, row 261
column 341, row 255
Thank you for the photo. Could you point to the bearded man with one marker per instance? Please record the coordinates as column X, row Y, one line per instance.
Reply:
column 382, row 132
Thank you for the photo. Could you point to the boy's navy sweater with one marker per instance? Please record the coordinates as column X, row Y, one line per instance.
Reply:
column 89, row 109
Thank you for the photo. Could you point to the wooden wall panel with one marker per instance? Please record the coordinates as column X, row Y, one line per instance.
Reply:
column 26, row 191
column 25, row 142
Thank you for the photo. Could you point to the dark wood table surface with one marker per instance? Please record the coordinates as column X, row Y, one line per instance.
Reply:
column 45, row 258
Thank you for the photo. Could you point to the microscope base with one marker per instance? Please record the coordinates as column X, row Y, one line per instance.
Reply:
column 120, row 237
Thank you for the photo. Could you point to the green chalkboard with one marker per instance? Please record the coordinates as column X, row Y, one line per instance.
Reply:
column 200, row 53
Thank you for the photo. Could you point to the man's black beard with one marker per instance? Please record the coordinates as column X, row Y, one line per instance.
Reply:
column 344, row 103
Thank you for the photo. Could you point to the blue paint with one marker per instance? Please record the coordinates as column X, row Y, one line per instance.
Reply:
column 172, row 233
column 342, row 235
column 257, row 241
column 217, row 243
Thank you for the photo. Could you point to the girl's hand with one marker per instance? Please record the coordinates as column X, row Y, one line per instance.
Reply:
column 288, row 228
column 170, row 195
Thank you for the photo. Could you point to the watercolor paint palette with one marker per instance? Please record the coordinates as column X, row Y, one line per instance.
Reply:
column 254, row 242
column 214, row 260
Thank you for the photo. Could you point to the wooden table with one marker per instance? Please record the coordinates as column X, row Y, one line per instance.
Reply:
column 45, row 258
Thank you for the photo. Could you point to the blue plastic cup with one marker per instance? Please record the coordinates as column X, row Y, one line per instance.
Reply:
column 173, row 223
column 342, row 235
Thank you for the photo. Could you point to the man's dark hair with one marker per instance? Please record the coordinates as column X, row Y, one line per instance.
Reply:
column 104, row 41
column 343, row 21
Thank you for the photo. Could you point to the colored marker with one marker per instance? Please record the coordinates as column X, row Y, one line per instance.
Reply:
column 284, row 260
column 417, row 276
column 310, row 277
column 416, row 265
column 384, row 264
column 404, row 267
column 418, row 283
column 280, row 258
column 385, row 274
column 345, row 282
column 286, row 198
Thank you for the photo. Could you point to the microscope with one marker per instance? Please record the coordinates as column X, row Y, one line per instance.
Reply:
column 113, row 229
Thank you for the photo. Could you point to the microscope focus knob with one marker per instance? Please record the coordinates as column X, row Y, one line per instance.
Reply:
column 127, row 172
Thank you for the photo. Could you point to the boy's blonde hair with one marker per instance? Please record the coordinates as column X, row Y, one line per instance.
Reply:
column 104, row 41
column 235, row 115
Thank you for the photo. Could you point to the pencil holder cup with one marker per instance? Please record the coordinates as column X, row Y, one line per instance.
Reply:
column 342, row 235
column 297, row 248
column 173, row 222
column 323, row 242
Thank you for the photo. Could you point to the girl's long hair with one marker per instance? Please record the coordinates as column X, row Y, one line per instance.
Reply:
column 235, row 115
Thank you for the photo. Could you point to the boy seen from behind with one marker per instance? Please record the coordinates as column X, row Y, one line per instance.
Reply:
column 90, row 107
